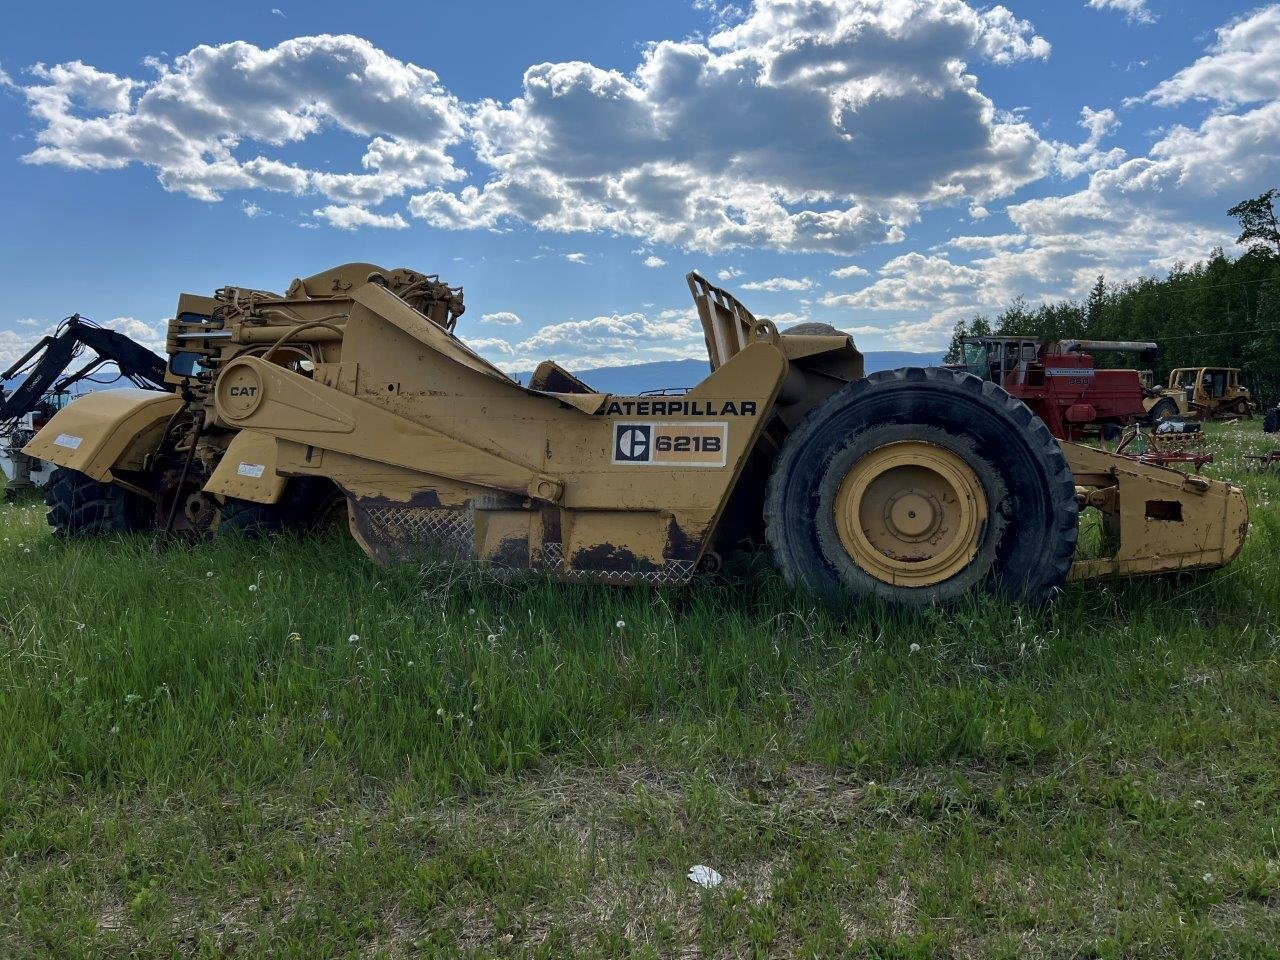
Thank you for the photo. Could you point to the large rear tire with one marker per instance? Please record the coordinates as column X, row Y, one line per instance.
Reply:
column 80, row 506
column 918, row 486
column 252, row 521
column 308, row 505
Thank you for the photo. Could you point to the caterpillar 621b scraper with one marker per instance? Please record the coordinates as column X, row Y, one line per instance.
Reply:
column 915, row 486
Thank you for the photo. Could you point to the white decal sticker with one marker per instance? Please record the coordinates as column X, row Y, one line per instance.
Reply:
column 68, row 441
column 688, row 444
column 250, row 470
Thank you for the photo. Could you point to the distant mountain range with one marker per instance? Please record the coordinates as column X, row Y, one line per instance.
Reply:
column 636, row 378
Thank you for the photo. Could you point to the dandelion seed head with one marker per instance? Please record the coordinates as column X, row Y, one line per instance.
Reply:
column 253, row 588
column 620, row 624
column 915, row 648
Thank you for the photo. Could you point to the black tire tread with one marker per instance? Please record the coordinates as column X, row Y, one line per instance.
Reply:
column 1163, row 403
column 80, row 506
column 1062, row 481
column 294, row 510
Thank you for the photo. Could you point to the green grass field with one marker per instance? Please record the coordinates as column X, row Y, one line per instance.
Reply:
column 281, row 749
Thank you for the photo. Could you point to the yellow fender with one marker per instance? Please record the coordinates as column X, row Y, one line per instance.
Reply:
column 104, row 431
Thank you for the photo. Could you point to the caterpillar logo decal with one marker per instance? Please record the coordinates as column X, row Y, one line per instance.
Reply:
column 671, row 444
column 678, row 407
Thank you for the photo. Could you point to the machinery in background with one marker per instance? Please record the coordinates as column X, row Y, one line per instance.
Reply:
column 1201, row 393
column 44, row 390
column 1060, row 384
column 21, row 471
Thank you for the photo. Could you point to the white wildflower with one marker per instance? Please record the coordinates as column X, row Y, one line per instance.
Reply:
column 915, row 648
column 620, row 624
column 253, row 588
column 354, row 638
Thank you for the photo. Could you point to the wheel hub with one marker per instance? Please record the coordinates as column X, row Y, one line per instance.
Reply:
column 911, row 513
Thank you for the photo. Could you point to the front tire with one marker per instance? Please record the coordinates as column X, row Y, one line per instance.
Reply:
column 1163, row 409
column 918, row 486
column 80, row 506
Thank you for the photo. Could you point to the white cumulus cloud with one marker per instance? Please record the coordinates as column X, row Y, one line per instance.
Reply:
column 785, row 131
column 503, row 318
column 352, row 217
column 780, row 284
column 483, row 345
column 1136, row 11
column 1242, row 66
column 202, row 121
column 617, row 339
column 1072, row 161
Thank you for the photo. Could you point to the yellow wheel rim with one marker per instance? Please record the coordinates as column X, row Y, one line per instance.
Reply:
column 911, row 514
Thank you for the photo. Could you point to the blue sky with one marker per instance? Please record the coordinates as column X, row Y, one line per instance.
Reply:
column 884, row 165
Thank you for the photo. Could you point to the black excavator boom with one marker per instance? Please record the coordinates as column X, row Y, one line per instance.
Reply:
column 43, row 365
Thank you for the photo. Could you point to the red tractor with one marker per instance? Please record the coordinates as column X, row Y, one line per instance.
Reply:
column 1060, row 384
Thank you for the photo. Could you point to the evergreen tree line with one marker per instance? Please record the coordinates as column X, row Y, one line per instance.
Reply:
column 1218, row 312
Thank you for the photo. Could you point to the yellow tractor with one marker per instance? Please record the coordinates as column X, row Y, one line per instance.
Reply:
column 1200, row 393
column 915, row 486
